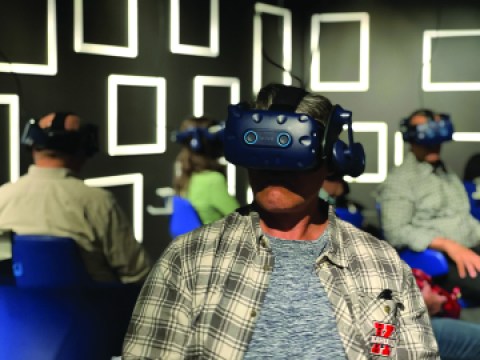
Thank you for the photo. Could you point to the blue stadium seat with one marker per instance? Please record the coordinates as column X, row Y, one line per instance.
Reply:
column 431, row 261
column 473, row 192
column 55, row 311
column 184, row 217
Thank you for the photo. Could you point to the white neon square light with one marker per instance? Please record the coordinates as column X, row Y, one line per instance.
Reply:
column 381, row 129
column 315, row 77
column 398, row 148
column 13, row 103
column 231, row 176
column 50, row 68
column 136, row 180
column 427, row 83
column 199, row 82
column 175, row 47
column 466, row 136
column 129, row 51
column 457, row 136
column 250, row 196
column 159, row 84
column 166, row 194
column 261, row 8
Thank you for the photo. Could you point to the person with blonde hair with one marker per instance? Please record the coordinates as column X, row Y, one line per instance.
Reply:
column 201, row 177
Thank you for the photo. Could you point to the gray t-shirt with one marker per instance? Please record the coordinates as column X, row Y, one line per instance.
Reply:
column 296, row 319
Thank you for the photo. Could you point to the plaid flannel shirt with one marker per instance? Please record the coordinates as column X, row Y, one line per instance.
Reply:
column 204, row 294
column 418, row 205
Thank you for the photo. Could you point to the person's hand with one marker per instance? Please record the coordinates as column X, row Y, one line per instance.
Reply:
column 467, row 260
column 433, row 300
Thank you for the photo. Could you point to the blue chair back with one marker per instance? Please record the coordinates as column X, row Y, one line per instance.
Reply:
column 472, row 190
column 184, row 217
column 47, row 261
column 55, row 311
column 431, row 261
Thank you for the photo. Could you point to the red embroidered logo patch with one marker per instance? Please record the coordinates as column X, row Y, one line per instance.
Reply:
column 381, row 342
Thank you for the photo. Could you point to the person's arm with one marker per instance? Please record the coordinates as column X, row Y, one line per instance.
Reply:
column 415, row 335
column 467, row 260
column 124, row 254
column 161, row 319
column 219, row 196
column 433, row 300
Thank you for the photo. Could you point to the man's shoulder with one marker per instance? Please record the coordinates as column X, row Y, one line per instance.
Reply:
column 229, row 230
column 89, row 194
column 359, row 241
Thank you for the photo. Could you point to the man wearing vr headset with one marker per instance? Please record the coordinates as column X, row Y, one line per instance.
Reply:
column 282, row 278
column 51, row 200
column 423, row 205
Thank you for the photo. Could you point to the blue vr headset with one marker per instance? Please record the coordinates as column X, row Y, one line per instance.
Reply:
column 81, row 142
column 289, row 141
column 433, row 132
column 201, row 139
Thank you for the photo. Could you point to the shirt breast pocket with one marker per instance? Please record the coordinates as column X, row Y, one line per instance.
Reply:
column 378, row 323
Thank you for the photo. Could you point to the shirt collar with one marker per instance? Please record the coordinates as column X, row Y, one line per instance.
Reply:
column 44, row 172
column 334, row 250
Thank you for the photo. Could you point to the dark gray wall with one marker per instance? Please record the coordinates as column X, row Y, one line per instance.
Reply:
column 396, row 31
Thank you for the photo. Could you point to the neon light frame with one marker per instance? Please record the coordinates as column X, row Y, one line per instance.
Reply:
column 199, row 82
column 382, row 159
column 363, row 84
column 175, row 47
column 39, row 69
column 114, row 80
column 13, row 102
column 261, row 8
column 134, row 179
column 129, row 51
column 165, row 193
column 427, row 84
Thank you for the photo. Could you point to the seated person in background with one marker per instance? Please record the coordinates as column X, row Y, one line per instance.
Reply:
column 51, row 200
column 472, row 169
column 282, row 278
column 201, row 178
column 423, row 204
column 335, row 191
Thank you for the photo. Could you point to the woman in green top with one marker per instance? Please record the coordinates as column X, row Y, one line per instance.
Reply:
column 200, row 177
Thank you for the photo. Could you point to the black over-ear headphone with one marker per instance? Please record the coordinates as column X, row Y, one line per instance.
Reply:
column 281, row 139
column 83, row 141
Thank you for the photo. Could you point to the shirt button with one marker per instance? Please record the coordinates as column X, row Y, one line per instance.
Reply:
column 253, row 313
column 387, row 309
column 263, row 242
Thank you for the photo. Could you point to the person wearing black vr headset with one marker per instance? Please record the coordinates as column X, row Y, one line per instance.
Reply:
column 424, row 205
column 51, row 200
column 282, row 278
column 200, row 177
